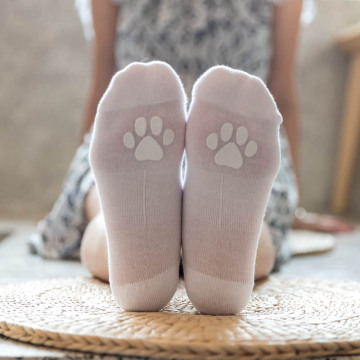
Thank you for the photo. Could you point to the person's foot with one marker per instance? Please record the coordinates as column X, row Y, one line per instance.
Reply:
column 321, row 223
column 232, row 147
column 135, row 153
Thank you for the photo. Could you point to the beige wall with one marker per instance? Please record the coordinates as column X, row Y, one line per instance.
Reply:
column 44, row 71
column 322, row 70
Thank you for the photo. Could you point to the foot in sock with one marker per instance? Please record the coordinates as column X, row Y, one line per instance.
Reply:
column 232, row 148
column 135, row 154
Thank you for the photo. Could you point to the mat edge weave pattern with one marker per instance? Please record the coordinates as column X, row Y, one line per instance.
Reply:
column 177, row 349
column 112, row 346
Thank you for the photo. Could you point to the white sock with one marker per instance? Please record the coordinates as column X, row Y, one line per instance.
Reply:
column 232, row 148
column 135, row 154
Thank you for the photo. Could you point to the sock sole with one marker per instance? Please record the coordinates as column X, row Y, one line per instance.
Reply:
column 135, row 154
column 233, row 157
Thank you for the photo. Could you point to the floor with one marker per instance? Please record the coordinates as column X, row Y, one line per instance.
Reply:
column 17, row 265
column 340, row 264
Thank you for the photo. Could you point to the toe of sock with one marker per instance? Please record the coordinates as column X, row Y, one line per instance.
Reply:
column 129, row 88
column 238, row 92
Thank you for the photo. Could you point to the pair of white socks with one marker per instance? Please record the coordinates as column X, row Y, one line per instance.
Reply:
column 232, row 149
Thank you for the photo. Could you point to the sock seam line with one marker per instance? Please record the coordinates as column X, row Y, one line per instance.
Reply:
column 221, row 197
column 243, row 282
column 144, row 197
column 151, row 277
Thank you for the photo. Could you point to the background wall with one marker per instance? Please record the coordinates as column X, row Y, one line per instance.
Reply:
column 44, row 68
column 322, row 71
column 43, row 78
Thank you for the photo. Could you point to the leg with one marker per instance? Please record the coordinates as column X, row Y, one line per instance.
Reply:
column 92, row 204
column 93, row 251
column 265, row 256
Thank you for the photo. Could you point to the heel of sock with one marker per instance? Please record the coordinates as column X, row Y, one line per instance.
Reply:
column 214, row 296
column 148, row 295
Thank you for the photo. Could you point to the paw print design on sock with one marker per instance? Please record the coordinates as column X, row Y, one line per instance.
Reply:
column 149, row 147
column 229, row 154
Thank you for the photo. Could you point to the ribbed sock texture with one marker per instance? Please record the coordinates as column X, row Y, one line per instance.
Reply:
column 232, row 148
column 135, row 154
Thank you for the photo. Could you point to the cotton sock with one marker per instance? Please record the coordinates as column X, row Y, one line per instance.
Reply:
column 232, row 148
column 135, row 154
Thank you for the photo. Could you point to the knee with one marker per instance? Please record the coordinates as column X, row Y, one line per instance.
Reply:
column 93, row 250
column 265, row 257
column 92, row 204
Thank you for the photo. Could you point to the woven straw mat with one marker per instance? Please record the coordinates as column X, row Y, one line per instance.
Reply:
column 286, row 318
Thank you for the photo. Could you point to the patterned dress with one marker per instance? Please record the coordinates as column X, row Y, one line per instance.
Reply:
column 192, row 36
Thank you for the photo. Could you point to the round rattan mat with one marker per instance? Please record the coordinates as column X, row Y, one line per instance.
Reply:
column 286, row 318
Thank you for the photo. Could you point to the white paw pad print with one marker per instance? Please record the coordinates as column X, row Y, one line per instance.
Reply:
column 149, row 147
column 229, row 154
